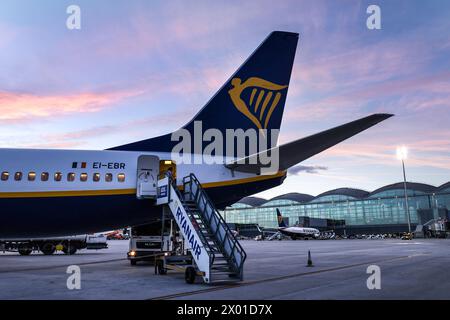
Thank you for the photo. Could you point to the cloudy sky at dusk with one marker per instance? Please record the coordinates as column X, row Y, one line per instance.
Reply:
column 138, row 69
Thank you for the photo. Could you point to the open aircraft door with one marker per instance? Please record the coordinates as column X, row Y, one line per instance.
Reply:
column 147, row 176
column 167, row 167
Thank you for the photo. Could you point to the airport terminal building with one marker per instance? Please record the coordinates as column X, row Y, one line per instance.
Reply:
column 379, row 211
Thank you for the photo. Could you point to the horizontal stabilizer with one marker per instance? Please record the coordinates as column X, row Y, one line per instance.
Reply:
column 296, row 151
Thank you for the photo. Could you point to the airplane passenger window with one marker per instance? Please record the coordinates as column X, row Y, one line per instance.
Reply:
column 18, row 176
column 121, row 177
column 58, row 176
column 31, row 176
column 96, row 177
column 83, row 177
column 44, row 176
column 5, row 176
column 71, row 176
column 108, row 177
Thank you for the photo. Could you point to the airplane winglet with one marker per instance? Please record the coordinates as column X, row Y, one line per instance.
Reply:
column 299, row 150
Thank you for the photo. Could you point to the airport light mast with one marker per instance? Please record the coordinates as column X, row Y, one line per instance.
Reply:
column 402, row 154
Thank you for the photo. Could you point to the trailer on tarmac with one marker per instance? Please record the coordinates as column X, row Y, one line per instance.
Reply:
column 48, row 246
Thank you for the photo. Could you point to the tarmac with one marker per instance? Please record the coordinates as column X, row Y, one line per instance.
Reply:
column 415, row 269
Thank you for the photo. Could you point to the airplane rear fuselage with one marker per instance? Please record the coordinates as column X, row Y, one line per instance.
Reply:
column 45, row 206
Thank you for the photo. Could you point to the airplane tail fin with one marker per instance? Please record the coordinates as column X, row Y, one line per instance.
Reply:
column 281, row 222
column 253, row 98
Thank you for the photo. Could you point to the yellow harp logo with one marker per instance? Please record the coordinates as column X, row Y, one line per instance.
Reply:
column 263, row 91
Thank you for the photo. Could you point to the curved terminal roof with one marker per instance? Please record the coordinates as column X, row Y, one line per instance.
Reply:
column 350, row 192
column 252, row 201
column 444, row 186
column 422, row 187
column 294, row 196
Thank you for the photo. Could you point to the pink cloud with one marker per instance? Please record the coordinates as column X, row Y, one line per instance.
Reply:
column 174, row 119
column 20, row 106
column 55, row 145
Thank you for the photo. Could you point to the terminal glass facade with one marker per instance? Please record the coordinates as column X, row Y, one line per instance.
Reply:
column 357, row 207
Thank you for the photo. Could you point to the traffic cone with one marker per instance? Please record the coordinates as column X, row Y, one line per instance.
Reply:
column 310, row 264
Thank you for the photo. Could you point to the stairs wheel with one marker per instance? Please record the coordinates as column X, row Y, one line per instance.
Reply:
column 161, row 269
column 190, row 274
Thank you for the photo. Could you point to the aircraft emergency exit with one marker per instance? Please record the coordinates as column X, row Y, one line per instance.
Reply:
column 63, row 192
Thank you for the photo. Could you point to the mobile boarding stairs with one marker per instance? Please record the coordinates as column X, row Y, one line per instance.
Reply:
column 216, row 253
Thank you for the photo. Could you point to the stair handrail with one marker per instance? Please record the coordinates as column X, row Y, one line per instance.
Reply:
column 236, row 246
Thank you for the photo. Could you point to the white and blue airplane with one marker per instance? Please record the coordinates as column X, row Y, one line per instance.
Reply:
column 65, row 192
column 296, row 232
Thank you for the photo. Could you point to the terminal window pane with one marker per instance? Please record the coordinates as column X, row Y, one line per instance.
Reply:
column 96, row 177
column 83, row 177
column 108, row 177
column 71, row 176
column 121, row 177
column 31, row 176
column 58, row 176
column 18, row 176
column 5, row 176
column 44, row 176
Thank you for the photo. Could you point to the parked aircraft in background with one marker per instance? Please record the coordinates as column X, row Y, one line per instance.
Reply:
column 296, row 232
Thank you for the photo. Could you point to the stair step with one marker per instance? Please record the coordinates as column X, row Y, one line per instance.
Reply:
column 211, row 235
column 220, row 264
column 208, row 236
column 221, row 270
column 218, row 272
column 214, row 251
column 225, row 278
column 221, row 273
column 221, row 258
column 211, row 242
